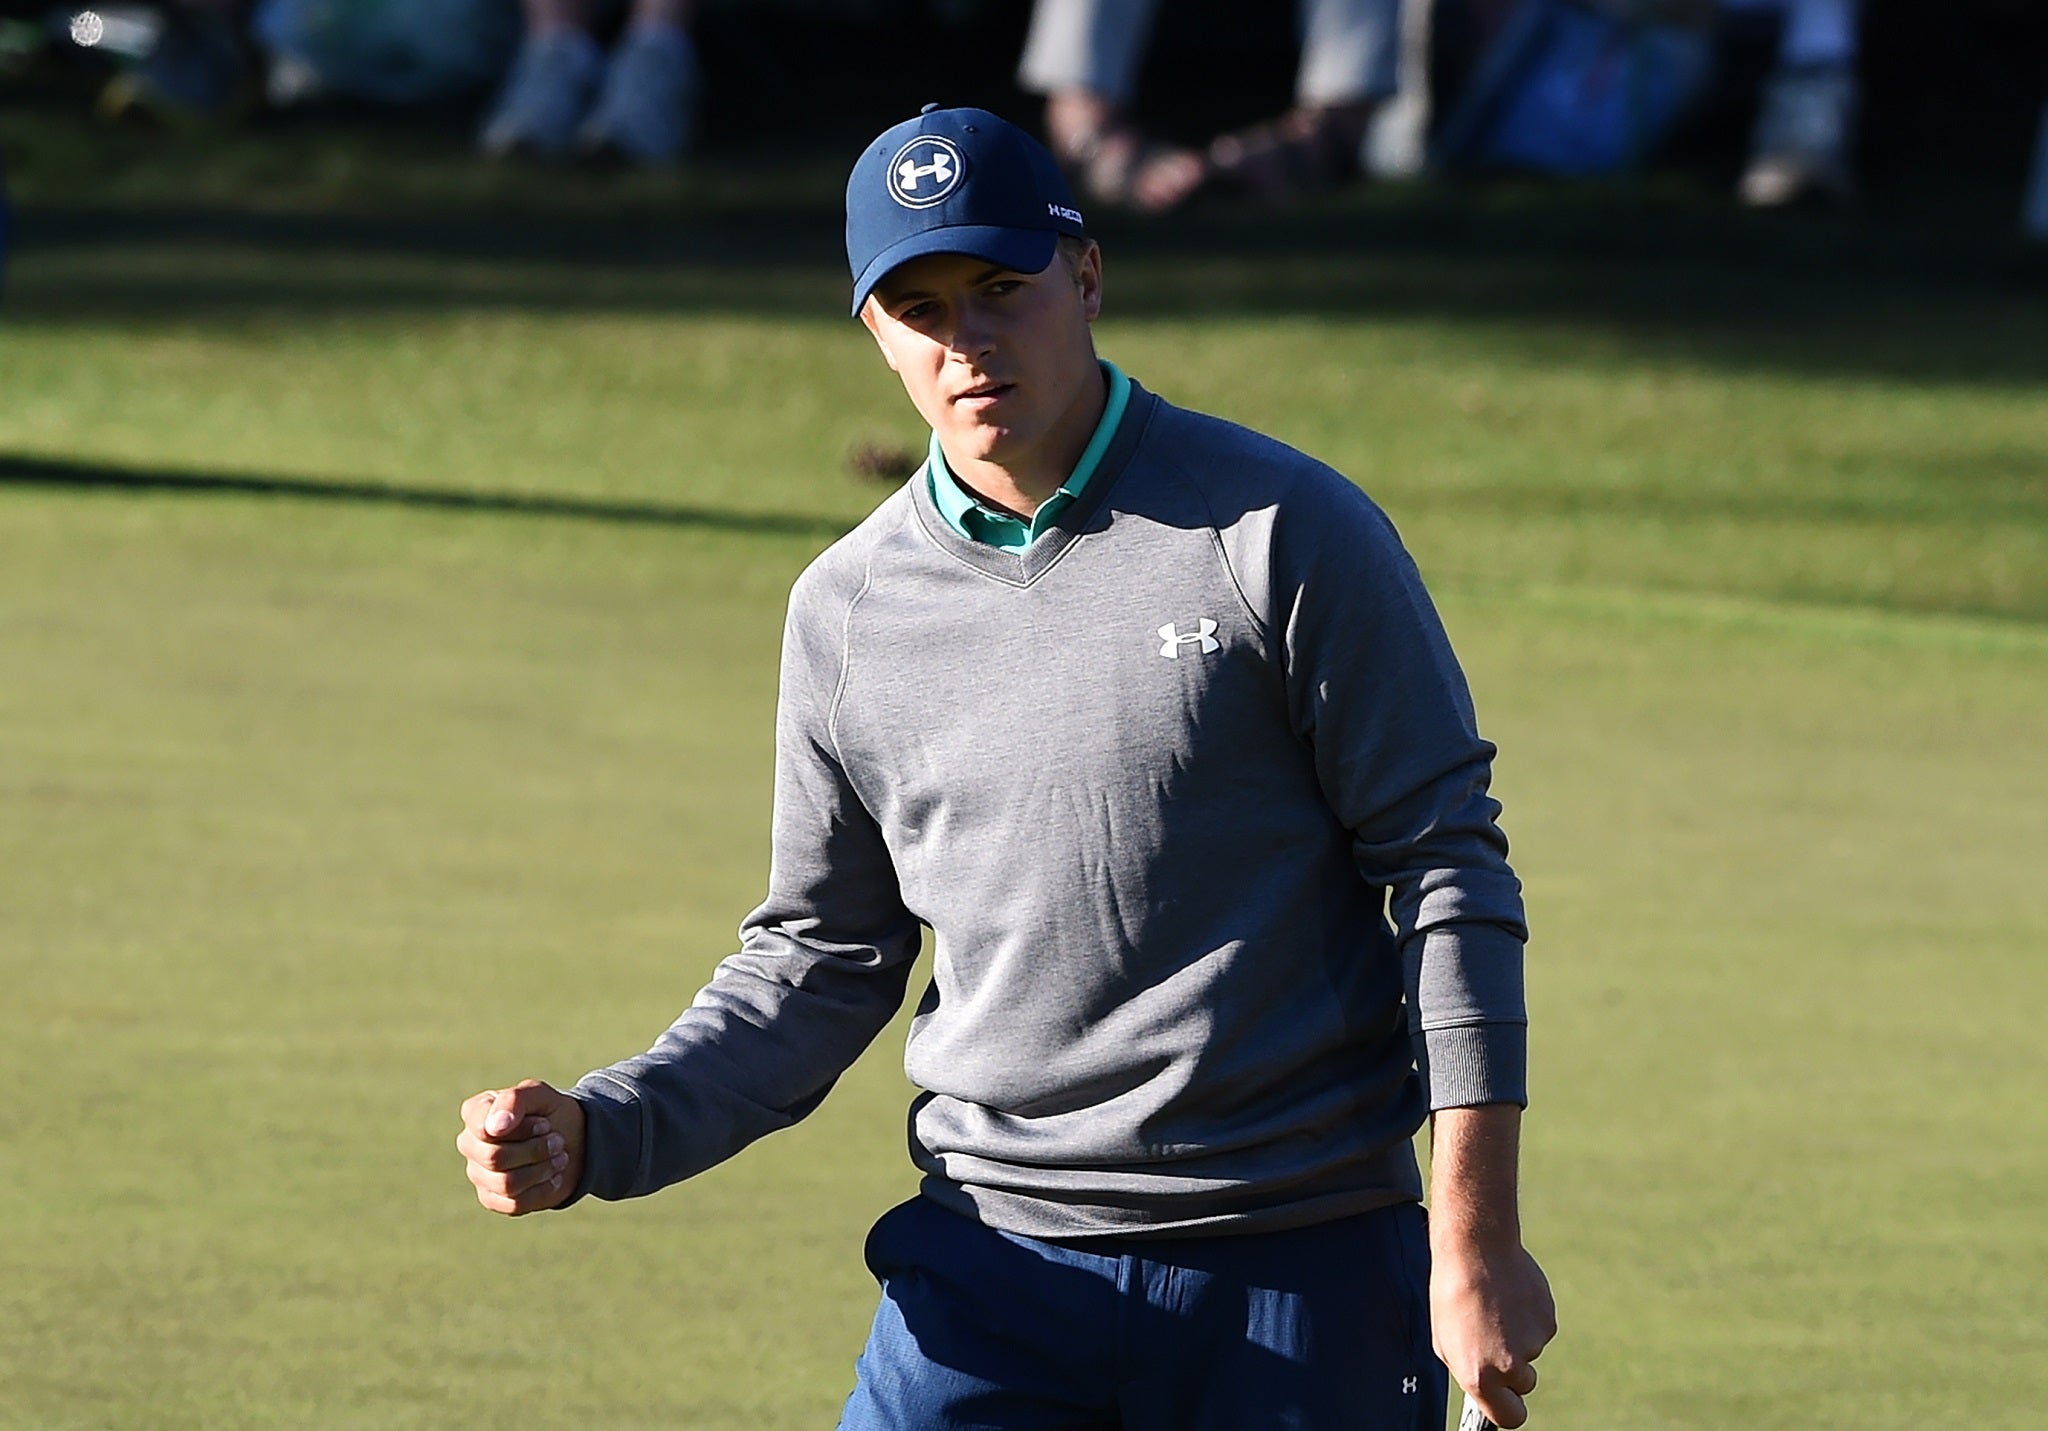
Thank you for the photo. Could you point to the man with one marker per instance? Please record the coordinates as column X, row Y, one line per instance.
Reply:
column 1149, row 720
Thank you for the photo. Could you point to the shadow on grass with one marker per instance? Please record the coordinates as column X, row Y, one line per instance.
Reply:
column 2018, row 503
column 64, row 473
column 1674, row 275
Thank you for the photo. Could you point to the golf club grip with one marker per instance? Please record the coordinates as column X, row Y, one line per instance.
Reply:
column 1475, row 1420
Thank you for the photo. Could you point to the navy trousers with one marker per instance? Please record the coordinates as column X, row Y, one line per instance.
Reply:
column 1321, row 1328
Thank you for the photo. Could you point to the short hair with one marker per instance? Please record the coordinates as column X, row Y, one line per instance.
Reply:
column 1070, row 249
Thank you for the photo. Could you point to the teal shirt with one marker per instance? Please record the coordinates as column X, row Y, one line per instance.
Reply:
column 1000, row 529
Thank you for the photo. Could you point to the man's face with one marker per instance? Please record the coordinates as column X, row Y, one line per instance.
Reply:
column 991, row 358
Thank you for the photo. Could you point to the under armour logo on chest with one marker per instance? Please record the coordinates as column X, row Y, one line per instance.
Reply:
column 1202, row 637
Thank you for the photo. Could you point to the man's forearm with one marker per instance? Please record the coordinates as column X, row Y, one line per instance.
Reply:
column 1474, row 1177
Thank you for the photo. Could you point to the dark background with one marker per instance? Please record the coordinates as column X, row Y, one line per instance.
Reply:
column 1951, row 87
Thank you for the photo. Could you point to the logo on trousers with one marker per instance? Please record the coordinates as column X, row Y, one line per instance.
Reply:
column 1202, row 637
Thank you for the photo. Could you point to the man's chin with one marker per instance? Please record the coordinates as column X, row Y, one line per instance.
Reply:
column 983, row 442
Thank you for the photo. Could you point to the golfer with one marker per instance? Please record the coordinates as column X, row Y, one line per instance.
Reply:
column 1148, row 719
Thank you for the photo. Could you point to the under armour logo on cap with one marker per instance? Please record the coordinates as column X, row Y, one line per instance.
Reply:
column 925, row 171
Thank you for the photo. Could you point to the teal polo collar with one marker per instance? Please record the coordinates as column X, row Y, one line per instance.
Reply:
column 990, row 527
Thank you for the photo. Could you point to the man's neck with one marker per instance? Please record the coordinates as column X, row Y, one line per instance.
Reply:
column 1020, row 488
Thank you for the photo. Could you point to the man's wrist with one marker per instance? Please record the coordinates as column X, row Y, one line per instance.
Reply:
column 1454, row 1241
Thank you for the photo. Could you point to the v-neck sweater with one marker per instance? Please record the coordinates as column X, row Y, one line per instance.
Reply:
column 1191, row 796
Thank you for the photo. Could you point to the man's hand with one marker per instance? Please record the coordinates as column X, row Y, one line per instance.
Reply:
column 1491, row 1315
column 1490, row 1308
column 524, row 1146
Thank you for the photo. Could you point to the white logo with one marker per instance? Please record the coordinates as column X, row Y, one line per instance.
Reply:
column 1061, row 211
column 1408, row 1385
column 1204, row 636
column 942, row 167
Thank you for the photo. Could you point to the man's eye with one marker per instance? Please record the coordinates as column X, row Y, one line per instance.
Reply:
column 917, row 312
column 1004, row 286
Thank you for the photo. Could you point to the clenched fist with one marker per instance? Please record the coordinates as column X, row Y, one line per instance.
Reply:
column 523, row 1145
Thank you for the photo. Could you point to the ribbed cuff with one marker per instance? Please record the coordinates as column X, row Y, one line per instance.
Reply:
column 1472, row 1064
column 614, row 1138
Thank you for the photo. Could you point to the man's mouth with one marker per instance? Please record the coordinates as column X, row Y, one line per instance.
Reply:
column 983, row 391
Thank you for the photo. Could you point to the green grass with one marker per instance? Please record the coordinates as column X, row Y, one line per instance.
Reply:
column 317, row 815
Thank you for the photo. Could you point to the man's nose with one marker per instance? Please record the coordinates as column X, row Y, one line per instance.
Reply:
column 975, row 335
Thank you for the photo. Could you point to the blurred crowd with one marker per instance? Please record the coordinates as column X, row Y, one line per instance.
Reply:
column 1384, row 88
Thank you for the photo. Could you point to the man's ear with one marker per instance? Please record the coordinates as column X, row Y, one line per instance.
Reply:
column 867, row 318
column 1088, row 277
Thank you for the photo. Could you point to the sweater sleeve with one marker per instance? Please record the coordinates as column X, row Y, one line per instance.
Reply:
column 822, row 966
column 1375, row 690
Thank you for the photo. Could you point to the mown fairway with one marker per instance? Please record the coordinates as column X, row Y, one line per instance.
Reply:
column 319, row 813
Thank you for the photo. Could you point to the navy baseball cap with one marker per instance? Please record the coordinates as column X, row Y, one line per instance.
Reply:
column 954, row 181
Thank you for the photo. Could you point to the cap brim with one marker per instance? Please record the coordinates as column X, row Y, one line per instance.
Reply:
column 1021, row 250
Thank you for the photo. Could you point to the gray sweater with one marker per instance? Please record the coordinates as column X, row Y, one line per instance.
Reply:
column 1191, row 796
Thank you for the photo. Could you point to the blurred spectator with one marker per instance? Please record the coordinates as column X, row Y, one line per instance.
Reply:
column 190, row 59
column 1397, row 140
column 1806, row 122
column 383, row 51
column 199, row 59
column 1593, row 86
column 1083, row 56
column 2034, row 213
column 565, row 96
column 1572, row 88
